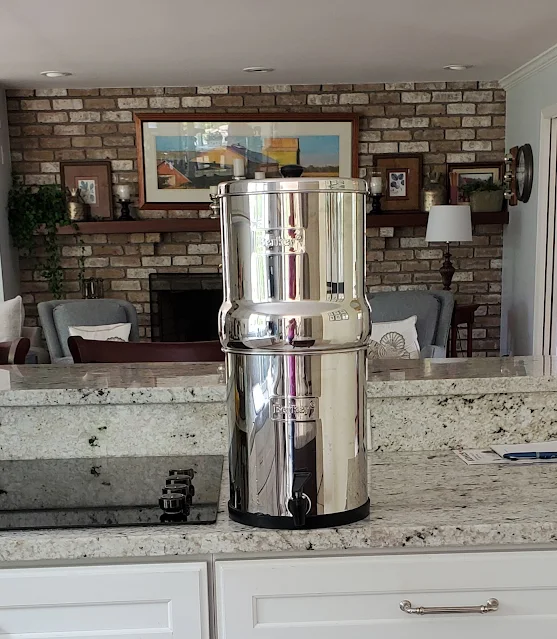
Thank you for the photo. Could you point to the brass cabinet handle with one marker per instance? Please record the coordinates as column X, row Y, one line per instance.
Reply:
column 491, row 605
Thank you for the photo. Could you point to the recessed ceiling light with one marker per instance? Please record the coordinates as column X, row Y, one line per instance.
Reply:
column 458, row 67
column 55, row 74
column 258, row 69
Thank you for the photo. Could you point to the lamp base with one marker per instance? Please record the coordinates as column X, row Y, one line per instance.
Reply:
column 447, row 270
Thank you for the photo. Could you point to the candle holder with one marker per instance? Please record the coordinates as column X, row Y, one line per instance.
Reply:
column 238, row 169
column 376, row 203
column 376, row 191
column 125, row 215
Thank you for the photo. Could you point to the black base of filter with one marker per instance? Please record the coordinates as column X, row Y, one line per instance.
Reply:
column 287, row 523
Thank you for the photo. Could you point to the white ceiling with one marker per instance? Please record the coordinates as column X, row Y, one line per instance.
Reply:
column 199, row 42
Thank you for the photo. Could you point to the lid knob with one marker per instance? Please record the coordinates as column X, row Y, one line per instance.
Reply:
column 291, row 170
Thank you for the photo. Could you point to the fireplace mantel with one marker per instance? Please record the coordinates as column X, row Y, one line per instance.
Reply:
column 174, row 225
column 155, row 225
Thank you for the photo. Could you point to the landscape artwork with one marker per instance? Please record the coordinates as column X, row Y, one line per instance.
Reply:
column 183, row 160
column 199, row 162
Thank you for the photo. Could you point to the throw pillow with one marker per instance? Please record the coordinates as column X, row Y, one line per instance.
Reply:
column 104, row 333
column 12, row 315
column 394, row 340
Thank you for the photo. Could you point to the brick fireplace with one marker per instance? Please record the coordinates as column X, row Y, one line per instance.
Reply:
column 446, row 122
column 184, row 306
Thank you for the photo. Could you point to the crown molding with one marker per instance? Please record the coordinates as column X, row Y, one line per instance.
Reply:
column 530, row 68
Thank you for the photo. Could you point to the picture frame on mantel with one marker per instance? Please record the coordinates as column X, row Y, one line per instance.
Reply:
column 402, row 179
column 93, row 178
column 181, row 155
column 461, row 173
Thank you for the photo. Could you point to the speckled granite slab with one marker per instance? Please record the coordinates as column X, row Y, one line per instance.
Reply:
column 179, row 409
column 109, row 384
column 162, row 383
column 172, row 428
column 419, row 500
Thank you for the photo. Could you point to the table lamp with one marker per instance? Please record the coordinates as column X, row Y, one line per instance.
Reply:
column 449, row 223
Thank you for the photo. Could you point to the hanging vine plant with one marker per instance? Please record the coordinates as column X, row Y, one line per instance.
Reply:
column 39, row 209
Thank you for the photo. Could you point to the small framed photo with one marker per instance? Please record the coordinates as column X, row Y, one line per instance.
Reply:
column 460, row 174
column 94, row 181
column 397, row 184
column 402, row 174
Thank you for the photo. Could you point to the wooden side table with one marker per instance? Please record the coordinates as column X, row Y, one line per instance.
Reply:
column 462, row 315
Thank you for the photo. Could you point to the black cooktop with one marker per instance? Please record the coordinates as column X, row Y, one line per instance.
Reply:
column 115, row 491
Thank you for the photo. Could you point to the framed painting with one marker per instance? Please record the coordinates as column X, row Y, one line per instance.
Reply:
column 402, row 179
column 460, row 174
column 94, row 181
column 180, row 156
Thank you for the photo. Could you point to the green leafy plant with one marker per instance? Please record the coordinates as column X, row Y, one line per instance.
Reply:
column 479, row 185
column 39, row 209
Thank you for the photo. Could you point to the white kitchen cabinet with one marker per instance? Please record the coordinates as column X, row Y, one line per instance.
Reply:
column 359, row 597
column 132, row 601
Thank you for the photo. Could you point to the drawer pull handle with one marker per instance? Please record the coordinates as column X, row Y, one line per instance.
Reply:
column 491, row 605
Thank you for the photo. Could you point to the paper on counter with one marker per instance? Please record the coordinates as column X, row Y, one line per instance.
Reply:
column 539, row 447
column 479, row 457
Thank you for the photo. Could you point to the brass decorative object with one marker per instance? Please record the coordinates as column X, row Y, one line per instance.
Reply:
column 434, row 191
column 78, row 210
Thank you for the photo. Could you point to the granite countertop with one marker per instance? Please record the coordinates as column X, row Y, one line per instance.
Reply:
column 90, row 384
column 418, row 500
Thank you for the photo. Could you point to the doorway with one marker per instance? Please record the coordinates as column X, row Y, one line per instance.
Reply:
column 545, row 319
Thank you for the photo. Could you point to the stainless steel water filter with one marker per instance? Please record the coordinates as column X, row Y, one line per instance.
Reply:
column 295, row 326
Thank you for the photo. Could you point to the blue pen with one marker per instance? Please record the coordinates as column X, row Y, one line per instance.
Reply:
column 532, row 455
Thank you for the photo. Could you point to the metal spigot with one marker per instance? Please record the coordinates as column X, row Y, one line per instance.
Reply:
column 299, row 504
column 214, row 206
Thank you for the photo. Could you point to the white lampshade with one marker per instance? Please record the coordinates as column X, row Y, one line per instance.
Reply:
column 449, row 223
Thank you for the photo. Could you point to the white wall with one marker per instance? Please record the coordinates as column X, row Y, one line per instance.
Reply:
column 9, row 280
column 525, row 102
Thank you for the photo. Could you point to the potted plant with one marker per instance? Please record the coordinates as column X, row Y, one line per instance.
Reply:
column 39, row 209
column 485, row 196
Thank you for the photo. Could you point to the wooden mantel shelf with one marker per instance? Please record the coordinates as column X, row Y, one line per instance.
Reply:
column 417, row 218
column 174, row 225
column 164, row 225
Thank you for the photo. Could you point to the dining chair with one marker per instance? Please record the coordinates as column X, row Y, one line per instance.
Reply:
column 14, row 352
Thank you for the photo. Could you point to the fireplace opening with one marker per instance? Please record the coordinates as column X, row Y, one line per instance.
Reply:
column 185, row 306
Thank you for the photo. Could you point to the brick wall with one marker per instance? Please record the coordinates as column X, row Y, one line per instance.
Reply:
column 447, row 122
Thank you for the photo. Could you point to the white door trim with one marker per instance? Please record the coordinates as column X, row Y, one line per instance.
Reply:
column 547, row 115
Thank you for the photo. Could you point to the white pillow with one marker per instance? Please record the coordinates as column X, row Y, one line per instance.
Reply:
column 104, row 333
column 12, row 315
column 394, row 340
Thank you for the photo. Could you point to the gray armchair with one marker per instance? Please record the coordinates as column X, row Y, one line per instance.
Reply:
column 58, row 315
column 434, row 310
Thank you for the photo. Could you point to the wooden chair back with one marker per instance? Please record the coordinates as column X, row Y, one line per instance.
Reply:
column 14, row 352
column 88, row 351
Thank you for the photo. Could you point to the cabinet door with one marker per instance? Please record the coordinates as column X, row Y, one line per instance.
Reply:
column 359, row 597
column 166, row 600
